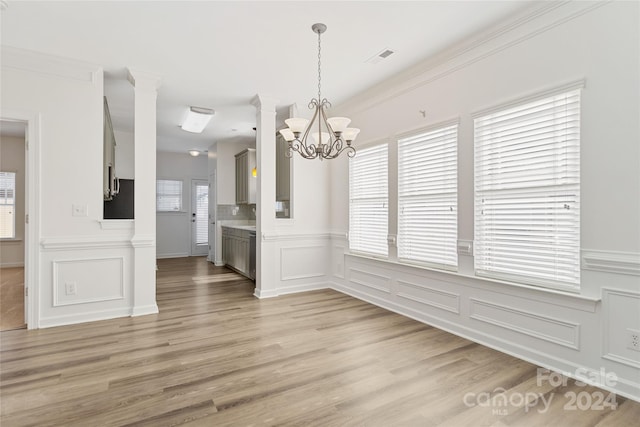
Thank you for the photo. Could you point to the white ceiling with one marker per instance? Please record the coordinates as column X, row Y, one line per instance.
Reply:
column 219, row 54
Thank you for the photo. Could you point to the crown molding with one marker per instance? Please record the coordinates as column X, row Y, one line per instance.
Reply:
column 40, row 63
column 143, row 79
column 521, row 27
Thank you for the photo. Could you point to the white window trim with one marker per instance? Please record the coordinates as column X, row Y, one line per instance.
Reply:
column 361, row 251
column 410, row 134
column 541, row 94
column 14, row 237
column 182, row 198
column 506, row 278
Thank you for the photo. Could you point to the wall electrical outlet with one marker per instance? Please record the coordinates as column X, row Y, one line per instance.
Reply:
column 633, row 339
column 79, row 210
column 70, row 288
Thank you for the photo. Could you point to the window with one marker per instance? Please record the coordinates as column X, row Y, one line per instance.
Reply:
column 428, row 198
column 168, row 195
column 7, row 205
column 368, row 200
column 527, row 192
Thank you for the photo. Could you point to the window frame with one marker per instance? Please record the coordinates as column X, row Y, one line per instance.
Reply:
column 526, row 277
column 13, row 205
column 384, row 145
column 431, row 129
column 180, row 195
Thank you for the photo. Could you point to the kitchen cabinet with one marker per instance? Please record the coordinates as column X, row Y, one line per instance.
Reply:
column 245, row 179
column 235, row 249
column 110, row 181
column 283, row 170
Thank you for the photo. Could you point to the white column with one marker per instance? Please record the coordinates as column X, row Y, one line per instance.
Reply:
column 144, row 236
column 266, row 261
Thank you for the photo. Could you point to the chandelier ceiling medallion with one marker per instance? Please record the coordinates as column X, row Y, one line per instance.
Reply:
column 330, row 136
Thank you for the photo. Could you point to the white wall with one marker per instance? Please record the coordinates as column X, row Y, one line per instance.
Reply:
column 124, row 154
column 173, row 229
column 293, row 253
column 595, row 42
column 63, row 100
column 212, row 169
column 12, row 159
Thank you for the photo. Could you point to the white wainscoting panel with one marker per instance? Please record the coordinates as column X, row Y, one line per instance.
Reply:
column 302, row 262
column 426, row 295
column 526, row 322
column 337, row 261
column 621, row 312
column 94, row 279
column 370, row 280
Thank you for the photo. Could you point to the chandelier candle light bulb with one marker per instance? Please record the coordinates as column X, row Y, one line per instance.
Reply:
column 332, row 136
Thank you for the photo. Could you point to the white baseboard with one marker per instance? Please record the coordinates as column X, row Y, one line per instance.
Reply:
column 74, row 319
column 258, row 293
column 303, row 288
column 144, row 310
column 176, row 255
column 270, row 293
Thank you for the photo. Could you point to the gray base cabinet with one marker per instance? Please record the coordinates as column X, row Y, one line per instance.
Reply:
column 235, row 249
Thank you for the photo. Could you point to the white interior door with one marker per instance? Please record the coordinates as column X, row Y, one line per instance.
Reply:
column 199, row 217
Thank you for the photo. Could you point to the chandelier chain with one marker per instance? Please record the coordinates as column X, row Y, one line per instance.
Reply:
column 319, row 63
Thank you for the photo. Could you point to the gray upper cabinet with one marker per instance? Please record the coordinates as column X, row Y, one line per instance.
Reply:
column 283, row 170
column 245, row 178
column 110, row 181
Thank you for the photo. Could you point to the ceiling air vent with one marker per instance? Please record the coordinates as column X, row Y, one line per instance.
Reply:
column 383, row 54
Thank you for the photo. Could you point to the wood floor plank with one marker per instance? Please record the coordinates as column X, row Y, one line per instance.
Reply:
column 11, row 298
column 216, row 355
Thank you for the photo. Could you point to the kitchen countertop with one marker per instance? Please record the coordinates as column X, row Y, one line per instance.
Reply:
column 241, row 227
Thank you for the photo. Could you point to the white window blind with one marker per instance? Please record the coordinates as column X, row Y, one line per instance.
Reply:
column 168, row 195
column 368, row 201
column 7, row 205
column 428, row 197
column 527, row 192
column 202, row 214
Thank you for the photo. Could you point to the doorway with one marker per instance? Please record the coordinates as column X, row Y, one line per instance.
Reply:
column 13, row 314
column 199, row 217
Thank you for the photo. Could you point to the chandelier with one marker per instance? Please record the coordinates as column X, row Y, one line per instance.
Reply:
column 322, row 137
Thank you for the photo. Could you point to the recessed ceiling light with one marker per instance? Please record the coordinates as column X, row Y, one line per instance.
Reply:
column 194, row 153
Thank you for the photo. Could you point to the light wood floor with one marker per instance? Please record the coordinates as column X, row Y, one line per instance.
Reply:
column 217, row 356
column 11, row 298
